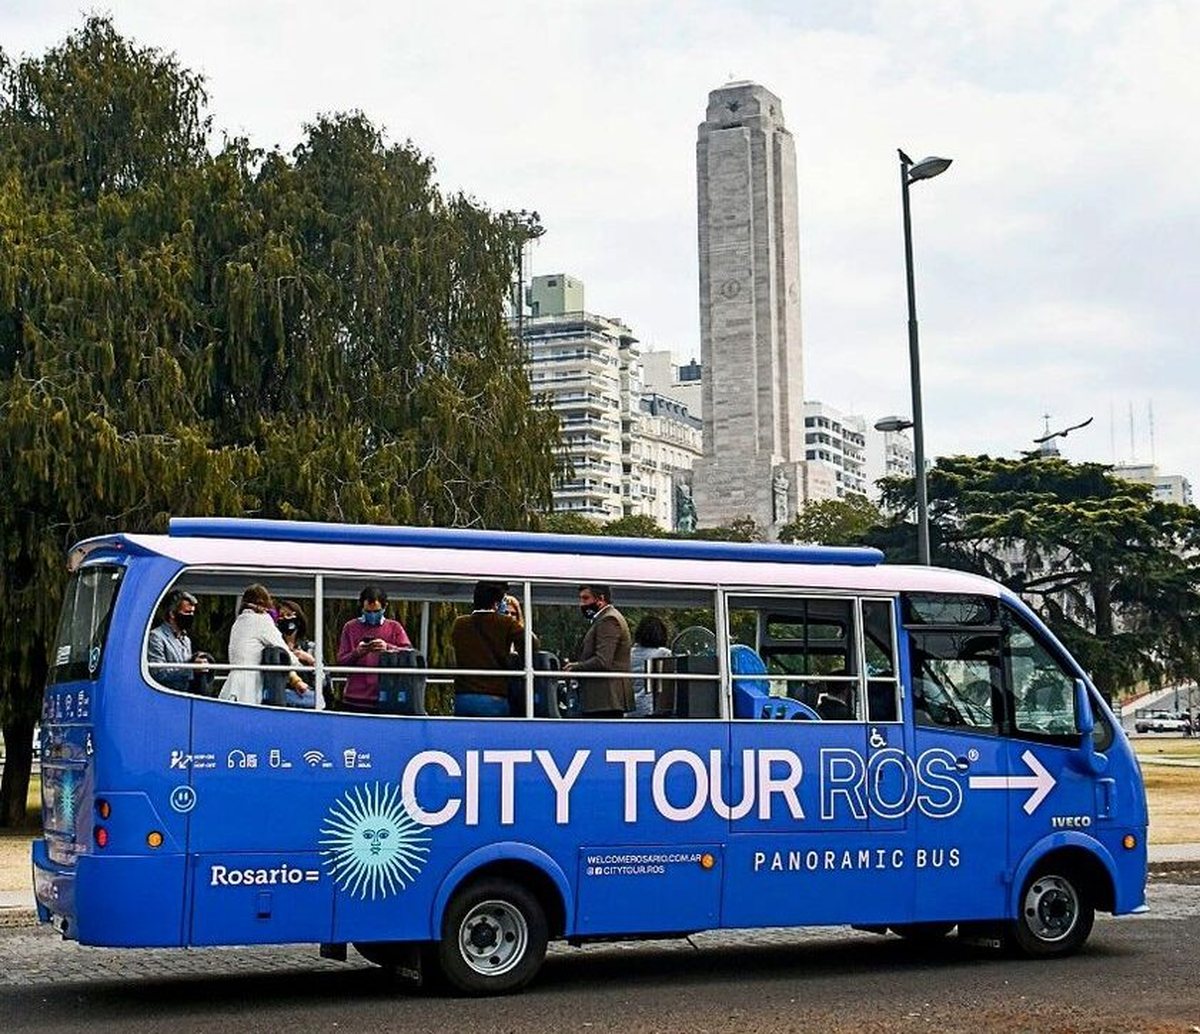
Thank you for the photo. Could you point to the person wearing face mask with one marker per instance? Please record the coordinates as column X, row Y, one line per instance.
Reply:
column 362, row 641
column 170, row 642
column 252, row 632
column 607, row 647
column 292, row 623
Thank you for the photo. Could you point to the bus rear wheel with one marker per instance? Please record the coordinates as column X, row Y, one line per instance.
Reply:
column 494, row 937
column 1056, row 914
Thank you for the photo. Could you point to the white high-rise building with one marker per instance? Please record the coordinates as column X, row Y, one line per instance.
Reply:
column 1168, row 488
column 629, row 447
column 889, row 454
column 575, row 360
column 837, row 441
column 664, row 376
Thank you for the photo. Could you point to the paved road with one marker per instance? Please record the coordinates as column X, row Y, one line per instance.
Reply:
column 1138, row 973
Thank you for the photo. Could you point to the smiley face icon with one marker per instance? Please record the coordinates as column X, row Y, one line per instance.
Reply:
column 183, row 799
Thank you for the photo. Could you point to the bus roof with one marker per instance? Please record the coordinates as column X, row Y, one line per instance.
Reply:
column 517, row 541
column 367, row 551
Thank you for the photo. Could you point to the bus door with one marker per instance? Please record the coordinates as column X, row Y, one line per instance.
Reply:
column 802, row 848
column 955, row 671
column 1052, row 791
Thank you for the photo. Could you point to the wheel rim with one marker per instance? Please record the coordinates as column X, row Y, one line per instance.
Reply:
column 492, row 938
column 1051, row 908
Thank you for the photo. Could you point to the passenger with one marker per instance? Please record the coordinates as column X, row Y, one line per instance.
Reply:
column 363, row 639
column 487, row 638
column 169, row 641
column 294, row 625
column 606, row 647
column 836, row 702
column 252, row 632
column 649, row 643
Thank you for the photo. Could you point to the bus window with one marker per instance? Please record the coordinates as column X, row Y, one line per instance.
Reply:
column 809, row 649
column 879, row 650
column 672, row 638
column 956, row 678
column 83, row 628
column 197, row 658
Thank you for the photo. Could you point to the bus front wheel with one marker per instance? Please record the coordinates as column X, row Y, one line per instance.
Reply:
column 1056, row 914
column 494, row 937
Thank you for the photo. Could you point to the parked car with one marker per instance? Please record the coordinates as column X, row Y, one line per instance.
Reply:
column 1163, row 721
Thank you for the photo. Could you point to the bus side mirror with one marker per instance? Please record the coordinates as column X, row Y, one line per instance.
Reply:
column 1087, row 758
column 1084, row 717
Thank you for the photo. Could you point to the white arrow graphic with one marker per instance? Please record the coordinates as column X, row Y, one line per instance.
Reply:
column 1041, row 782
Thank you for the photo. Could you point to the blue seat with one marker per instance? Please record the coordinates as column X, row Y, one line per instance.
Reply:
column 752, row 696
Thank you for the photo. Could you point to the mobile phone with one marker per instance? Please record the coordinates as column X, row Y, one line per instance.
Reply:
column 502, row 607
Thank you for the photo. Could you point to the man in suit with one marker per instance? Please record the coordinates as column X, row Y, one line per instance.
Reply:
column 606, row 647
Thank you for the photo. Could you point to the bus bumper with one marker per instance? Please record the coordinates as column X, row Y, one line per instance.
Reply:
column 112, row 901
column 53, row 890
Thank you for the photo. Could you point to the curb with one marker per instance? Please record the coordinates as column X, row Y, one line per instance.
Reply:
column 1181, row 867
column 17, row 918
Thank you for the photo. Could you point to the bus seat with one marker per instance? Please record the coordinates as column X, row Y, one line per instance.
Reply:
column 698, row 699
column 751, row 696
column 547, row 698
column 399, row 693
column 547, row 701
column 274, row 683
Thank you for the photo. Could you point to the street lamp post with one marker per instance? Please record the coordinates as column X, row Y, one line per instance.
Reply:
column 910, row 173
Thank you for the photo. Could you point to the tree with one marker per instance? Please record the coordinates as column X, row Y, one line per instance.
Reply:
column 833, row 522
column 318, row 335
column 740, row 529
column 570, row 524
column 636, row 526
column 1112, row 571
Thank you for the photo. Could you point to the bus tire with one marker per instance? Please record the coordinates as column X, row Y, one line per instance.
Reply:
column 923, row 933
column 1055, row 913
column 494, row 937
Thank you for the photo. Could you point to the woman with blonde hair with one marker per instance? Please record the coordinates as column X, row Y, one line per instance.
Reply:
column 253, row 631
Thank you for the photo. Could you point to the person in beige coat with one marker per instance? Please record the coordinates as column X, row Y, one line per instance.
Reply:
column 606, row 647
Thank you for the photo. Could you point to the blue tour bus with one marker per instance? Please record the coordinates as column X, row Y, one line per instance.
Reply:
column 830, row 741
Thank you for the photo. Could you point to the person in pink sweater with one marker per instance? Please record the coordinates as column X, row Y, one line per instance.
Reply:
column 363, row 639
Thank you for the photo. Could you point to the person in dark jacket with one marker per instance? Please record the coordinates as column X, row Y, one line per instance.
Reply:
column 487, row 638
column 607, row 647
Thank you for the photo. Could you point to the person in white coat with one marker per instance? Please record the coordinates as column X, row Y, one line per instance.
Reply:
column 254, row 630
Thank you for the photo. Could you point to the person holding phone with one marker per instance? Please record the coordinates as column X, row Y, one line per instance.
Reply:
column 490, row 637
column 364, row 639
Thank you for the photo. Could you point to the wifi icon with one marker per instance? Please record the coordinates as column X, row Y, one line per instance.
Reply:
column 314, row 758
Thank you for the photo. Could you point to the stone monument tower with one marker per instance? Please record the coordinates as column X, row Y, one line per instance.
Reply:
column 750, row 350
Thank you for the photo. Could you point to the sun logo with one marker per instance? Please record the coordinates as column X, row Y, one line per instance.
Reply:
column 370, row 845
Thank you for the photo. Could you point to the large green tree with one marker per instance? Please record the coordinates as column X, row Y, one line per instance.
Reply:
column 185, row 330
column 833, row 522
column 1114, row 572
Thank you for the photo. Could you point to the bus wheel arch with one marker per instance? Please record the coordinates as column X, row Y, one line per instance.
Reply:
column 521, row 864
column 1057, row 899
column 1082, row 856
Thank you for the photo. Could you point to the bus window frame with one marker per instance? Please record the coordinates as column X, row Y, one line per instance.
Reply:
column 860, row 679
column 318, row 576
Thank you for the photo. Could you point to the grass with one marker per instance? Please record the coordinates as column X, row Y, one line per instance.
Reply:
column 1150, row 747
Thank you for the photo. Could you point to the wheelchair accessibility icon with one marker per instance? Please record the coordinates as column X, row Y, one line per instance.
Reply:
column 183, row 799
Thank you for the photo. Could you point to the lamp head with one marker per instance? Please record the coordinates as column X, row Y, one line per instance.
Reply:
column 927, row 168
column 890, row 424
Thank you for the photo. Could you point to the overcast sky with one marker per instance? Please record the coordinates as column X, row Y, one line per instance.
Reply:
column 1057, row 260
